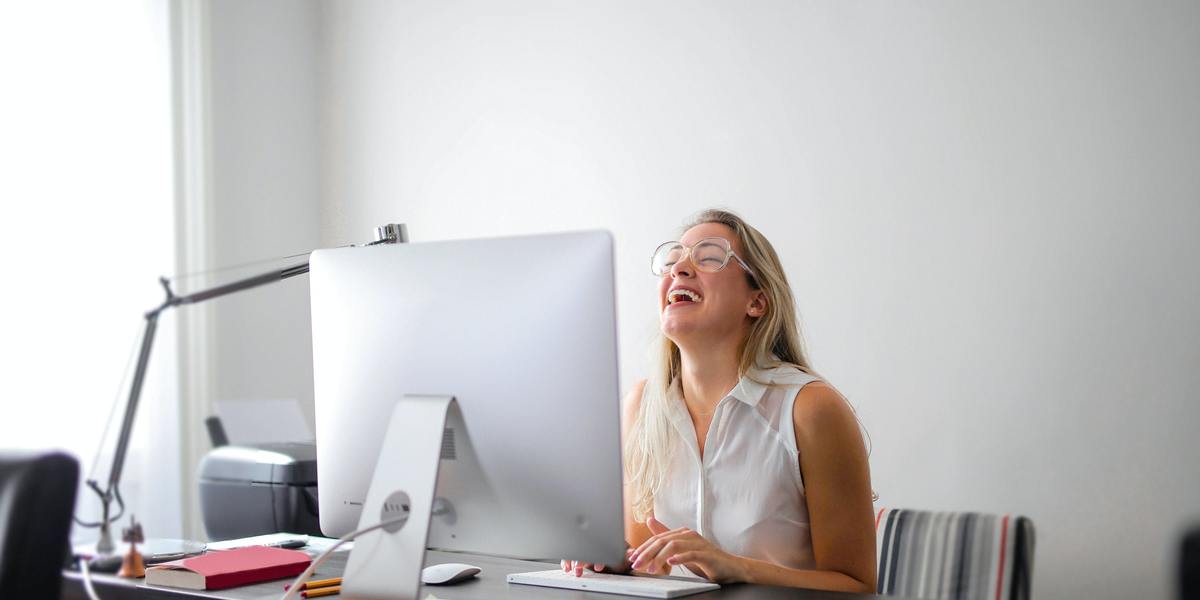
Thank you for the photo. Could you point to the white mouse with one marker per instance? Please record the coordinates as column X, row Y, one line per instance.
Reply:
column 448, row 573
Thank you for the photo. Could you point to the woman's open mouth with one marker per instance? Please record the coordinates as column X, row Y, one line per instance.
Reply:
column 683, row 296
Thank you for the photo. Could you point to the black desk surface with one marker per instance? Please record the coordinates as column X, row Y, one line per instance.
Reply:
column 490, row 584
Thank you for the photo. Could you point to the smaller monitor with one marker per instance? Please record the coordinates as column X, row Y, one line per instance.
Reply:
column 522, row 333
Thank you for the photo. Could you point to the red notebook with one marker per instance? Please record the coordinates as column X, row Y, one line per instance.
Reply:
column 229, row 568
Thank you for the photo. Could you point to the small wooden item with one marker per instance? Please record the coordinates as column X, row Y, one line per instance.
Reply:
column 133, row 566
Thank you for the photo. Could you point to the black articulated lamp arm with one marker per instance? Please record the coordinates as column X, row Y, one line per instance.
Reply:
column 387, row 234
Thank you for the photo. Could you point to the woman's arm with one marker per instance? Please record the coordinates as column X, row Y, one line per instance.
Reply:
column 837, row 483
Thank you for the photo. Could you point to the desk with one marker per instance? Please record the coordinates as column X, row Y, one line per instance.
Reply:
column 488, row 585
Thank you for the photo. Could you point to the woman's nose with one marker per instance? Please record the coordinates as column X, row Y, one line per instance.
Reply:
column 683, row 267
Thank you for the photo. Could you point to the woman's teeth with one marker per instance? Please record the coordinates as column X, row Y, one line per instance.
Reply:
column 682, row 296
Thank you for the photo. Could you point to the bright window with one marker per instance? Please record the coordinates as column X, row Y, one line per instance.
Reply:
column 87, row 226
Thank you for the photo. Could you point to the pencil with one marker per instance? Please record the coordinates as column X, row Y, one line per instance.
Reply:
column 325, row 591
column 320, row 583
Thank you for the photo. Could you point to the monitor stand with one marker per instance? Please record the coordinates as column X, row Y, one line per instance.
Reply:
column 385, row 564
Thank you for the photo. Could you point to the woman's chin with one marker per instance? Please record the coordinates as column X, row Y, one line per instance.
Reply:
column 676, row 328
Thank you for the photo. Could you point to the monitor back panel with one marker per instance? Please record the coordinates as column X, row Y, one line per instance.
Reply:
column 522, row 332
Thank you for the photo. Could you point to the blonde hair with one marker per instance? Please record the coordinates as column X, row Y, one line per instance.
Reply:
column 774, row 340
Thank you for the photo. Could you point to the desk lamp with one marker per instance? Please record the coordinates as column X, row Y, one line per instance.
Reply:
column 387, row 234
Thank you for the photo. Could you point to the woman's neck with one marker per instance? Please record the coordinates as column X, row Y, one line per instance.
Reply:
column 707, row 375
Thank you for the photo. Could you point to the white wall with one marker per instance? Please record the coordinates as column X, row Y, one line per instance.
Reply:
column 988, row 213
column 262, row 185
column 265, row 186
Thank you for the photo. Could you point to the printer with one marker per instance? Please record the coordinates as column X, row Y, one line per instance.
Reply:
column 259, row 489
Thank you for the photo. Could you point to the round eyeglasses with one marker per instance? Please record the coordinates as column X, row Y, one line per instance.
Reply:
column 709, row 255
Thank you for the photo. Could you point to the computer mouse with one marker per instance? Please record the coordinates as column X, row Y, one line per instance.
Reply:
column 448, row 573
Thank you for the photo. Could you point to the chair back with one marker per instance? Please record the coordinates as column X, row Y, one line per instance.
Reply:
column 954, row 555
column 37, row 498
column 1189, row 564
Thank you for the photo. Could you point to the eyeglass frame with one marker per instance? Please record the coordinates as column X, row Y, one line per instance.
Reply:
column 687, row 254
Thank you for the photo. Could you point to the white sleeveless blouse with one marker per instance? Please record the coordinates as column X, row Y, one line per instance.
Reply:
column 747, row 494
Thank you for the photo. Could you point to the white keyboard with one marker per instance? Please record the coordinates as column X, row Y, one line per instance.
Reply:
column 629, row 585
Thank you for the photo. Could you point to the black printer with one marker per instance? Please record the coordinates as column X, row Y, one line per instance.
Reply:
column 260, row 489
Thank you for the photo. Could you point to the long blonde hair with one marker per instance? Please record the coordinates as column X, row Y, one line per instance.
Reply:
column 774, row 340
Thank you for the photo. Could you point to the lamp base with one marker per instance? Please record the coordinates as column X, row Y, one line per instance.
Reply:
column 154, row 551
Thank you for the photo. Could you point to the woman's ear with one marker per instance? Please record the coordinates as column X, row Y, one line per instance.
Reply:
column 758, row 305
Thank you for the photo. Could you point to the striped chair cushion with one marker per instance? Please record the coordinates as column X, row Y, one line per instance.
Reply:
column 955, row 555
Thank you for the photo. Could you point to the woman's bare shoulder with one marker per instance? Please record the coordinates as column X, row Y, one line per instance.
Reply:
column 820, row 407
column 633, row 400
column 631, row 405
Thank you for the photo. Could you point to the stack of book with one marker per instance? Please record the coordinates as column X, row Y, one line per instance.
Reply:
column 229, row 568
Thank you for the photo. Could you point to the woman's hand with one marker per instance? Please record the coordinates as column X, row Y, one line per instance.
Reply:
column 577, row 567
column 668, row 547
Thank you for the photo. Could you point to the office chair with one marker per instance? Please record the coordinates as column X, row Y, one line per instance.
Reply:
column 37, row 498
column 958, row 555
column 1189, row 564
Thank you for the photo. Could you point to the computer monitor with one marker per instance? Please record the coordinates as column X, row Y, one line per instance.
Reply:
column 521, row 331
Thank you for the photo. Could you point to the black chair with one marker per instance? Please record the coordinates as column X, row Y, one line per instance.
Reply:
column 1189, row 564
column 37, row 498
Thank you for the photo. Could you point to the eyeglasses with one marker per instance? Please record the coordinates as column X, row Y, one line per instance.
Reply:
column 709, row 255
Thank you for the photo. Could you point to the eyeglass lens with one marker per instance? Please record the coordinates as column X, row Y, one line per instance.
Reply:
column 709, row 256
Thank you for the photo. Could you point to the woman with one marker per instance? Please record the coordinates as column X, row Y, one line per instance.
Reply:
column 741, row 465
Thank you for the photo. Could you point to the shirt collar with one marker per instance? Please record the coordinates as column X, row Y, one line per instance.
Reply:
column 749, row 389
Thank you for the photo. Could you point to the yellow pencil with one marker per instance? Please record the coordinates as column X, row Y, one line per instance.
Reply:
column 325, row 591
column 320, row 583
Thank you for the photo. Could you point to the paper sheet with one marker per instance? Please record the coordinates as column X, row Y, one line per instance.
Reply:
column 269, row 539
column 263, row 421
column 316, row 544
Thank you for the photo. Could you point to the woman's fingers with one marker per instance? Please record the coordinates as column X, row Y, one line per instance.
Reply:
column 576, row 567
column 647, row 551
column 655, row 560
column 657, row 541
column 696, row 561
column 688, row 556
column 650, row 561
column 655, row 555
column 673, row 548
